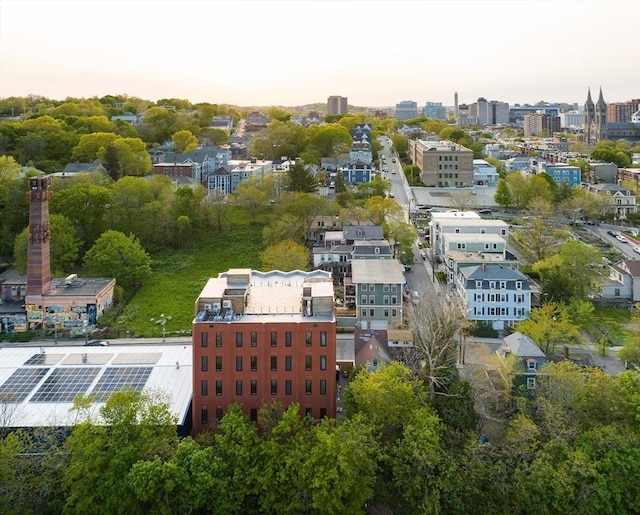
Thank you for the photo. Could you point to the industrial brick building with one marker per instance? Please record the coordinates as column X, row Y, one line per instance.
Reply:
column 261, row 337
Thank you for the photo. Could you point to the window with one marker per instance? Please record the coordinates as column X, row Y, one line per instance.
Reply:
column 363, row 312
column 503, row 285
column 385, row 299
column 287, row 387
column 218, row 339
column 394, row 312
column 323, row 362
column 323, row 387
column 287, row 363
column 274, row 339
column 274, row 387
column 307, row 387
column 323, row 412
column 492, row 285
column 254, row 363
column 254, row 415
column 532, row 364
column 363, row 299
column 287, row 339
column 238, row 363
column 218, row 413
column 274, row 363
column 308, row 360
column 531, row 383
column 218, row 363
column 518, row 285
column 386, row 313
column 204, row 339
column 385, row 288
column 307, row 338
column 254, row 387
column 394, row 287
column 307, row 412
column 372, row 312
column 204, row 415
column 394, row 299
column 238, row 387
column 238, row 339
column 372, row 287
column 372, row 299
column 478, row 284
column 254, row 339
column 204, row 387
column 218, row 387
column 323, row 338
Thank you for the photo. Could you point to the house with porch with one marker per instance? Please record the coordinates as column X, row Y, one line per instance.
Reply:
column 495, row 294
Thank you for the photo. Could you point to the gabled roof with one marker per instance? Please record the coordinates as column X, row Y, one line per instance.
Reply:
column 363, row 232
column 633, row 266
column 83, row 167
column 523, row 346
column 493, row 273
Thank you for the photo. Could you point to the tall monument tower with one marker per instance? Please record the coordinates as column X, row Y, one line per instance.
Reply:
column 38, row 254
column 455, row 107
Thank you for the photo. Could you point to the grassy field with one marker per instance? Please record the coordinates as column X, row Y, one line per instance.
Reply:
column 615, row 322
column 179, row 276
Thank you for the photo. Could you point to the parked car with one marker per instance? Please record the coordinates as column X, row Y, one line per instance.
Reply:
column 97, row 343
column 622, row 239
column 484, row 212
column 636, row 249
column 613, row 233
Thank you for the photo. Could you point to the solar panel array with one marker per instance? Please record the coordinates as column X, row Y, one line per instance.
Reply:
column 76, row 375
column 19, row 385
column 115, row 379
column 65, row 383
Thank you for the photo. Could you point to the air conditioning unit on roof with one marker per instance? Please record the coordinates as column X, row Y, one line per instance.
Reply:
column 226, row 304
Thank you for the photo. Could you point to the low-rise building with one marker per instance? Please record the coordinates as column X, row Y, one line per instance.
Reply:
column 614, row 199
column 442, row 163
column 529, row 358
column 496, row 294
column 260, row 337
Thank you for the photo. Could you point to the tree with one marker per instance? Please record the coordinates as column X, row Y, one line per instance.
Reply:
column 286, row 256
column 378, row 187
column 306, row 208
column 462, row 200
column 251, row 196
column 330, row 139
column 300, row 179
column 382, row 208
column 136, row 426
column 548, row 326
column 435, row 326
column 85, row 204
column 502, row 196
column 184, row 142
column 111, row 162
column 64, row 246
column 89, row 145
column 117, row 255
column 518, row 189
column 132, row 156
column 573, row 273
column 537, row 239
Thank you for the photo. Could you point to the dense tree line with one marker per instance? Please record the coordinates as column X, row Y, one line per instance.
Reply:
column 570, row 447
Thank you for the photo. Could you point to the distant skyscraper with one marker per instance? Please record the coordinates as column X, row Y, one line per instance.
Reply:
column 434, row 111
column 337, row 105
column 455, row 106
column 622, row 111
column 490, row 112
column 406, row 110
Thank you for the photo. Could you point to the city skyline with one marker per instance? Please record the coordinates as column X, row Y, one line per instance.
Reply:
column 287, row 53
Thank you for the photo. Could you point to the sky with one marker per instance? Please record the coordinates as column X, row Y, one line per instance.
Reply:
column 290, row 53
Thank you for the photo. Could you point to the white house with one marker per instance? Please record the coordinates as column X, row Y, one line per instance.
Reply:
column 484, row 174
column 496, row 294
column 465, row 223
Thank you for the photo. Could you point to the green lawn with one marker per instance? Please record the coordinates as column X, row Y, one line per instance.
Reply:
column 179, row 276
column 613, row 321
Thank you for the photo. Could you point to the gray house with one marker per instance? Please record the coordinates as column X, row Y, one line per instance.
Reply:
column 530, row 357
column 376, row 290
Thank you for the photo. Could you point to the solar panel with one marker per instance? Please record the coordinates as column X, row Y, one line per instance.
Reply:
column 43, row 359
column 139, row 358
column 20, row 383
column 115, row 379
column 65, row 383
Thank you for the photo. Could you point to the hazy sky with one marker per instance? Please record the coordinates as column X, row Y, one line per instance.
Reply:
column 289, row 53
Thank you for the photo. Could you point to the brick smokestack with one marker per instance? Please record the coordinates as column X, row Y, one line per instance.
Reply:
column 38, row 254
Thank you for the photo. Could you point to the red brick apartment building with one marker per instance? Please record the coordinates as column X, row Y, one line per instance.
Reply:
column 264, row 336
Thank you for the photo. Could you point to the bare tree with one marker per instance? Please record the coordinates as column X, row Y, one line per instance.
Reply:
column 437, row 326
column 462, row 200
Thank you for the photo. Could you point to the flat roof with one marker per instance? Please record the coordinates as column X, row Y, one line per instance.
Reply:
column 38, row 384
column 470, row 222
column 377, row 271
column 475, row 237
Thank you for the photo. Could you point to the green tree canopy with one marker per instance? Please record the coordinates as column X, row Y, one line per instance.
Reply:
column 286, row 255
column 116, row 255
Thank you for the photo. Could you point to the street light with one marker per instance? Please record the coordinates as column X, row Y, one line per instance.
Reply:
column 163, row 322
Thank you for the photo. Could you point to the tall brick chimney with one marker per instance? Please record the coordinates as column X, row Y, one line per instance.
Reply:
column 38, row 254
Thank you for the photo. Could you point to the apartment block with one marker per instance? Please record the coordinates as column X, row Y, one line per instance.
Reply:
column 337, row 105
column 442, row 163
column 540, row 124
column 261, row 337
column 406, row 110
